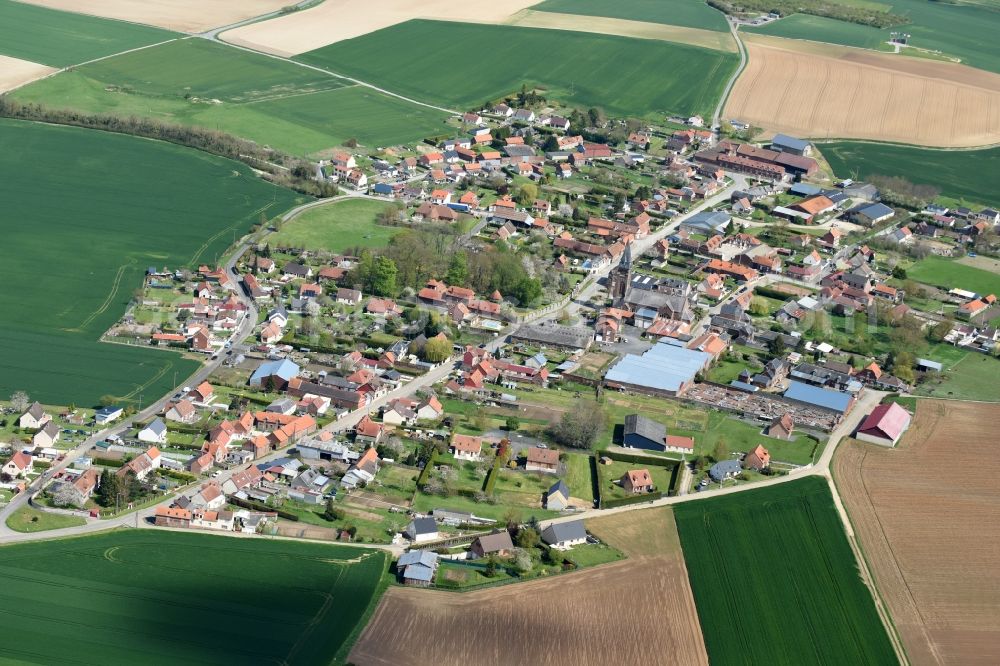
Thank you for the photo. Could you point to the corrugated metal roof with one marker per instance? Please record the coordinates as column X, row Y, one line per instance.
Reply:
column 663, row 367
column 821, row 397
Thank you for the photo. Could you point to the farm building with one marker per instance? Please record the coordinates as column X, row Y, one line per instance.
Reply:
column 554, row 336
column 557, row 497
column 417, row 567
column 565, row 535
column 664, row 369
column 644, row 433
column 885, row 425
column 821, row 398
column 788, row 144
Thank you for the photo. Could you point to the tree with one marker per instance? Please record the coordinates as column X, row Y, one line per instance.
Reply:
column 384, row 277
column 512, row 424
column 522, row 560
column 528, row 537
column 579, row 427
column 491, row 566
column 551, row 144
column 312, row 308
column 458, row 270
column 527, row 193
column 108, row 489
column 107, row 400
column 776, row 347
column 526, row 290
column 758, row 306
column 437, row 349
column 721, row 451
column 20, row 401
column 331, row 512
column 65, row 496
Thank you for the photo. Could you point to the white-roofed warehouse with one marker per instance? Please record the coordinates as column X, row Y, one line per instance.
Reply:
column 664, row 369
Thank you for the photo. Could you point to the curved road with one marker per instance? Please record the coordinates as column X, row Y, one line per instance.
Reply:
column 717, row 116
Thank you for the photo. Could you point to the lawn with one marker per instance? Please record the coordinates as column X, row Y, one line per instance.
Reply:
column 960, row 30
column 27, row 519
column 91, row 211
column 579, row 477
column 684, row 13
column 576, row 68
column 161, row 585
column 61, row 39
column 611, row 474
column 967, row 375
column 274, row 102
column 337, row 227
column 775, row 580
column 950, row 274
column 966, row 175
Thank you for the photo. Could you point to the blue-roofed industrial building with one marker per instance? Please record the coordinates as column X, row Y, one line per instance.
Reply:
column 822, row 398
column 662, row 370
column 275, row 373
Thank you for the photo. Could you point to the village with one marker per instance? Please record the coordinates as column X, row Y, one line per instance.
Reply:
column 684, row 313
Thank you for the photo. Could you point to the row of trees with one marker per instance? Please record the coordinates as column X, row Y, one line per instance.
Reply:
column 851, row 13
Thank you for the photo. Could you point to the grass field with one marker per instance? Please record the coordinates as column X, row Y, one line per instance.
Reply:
column 686, row 13
column 166, row 598
column 969, row 175
column 973, row 376
column 577, row 68
column 775, row 579
column 202, row 83
column 32, row 520
column 963, row 31
column 336, row 227
column 92, row 210
column 60, row 39
column 950, row 274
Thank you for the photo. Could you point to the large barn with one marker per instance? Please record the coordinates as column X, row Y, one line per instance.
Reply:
column 885, row 425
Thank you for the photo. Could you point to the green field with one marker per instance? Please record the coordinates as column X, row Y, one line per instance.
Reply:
column 336, row 227
column 775, row 580
column 148, row 597
column 624, row 76
column 207, row 84
column 967, row 375
column 684, row 13
column 964, row 31
column 27, row 519
column 948, row 273
column 60, row 39
column 92, row 211
column 971, row 175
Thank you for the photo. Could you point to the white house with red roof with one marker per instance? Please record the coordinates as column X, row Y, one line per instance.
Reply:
column 19, row 465
column 885, row 425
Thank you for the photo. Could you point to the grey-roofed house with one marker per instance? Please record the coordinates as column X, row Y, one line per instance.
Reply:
column 870, row 214
column 643, row 433
column 565, row 535
column 554, row 335
column 557, row 497
column 421, row 529
column 417, row 567
column 519, row 152
column 154, row 433
column 725, row 469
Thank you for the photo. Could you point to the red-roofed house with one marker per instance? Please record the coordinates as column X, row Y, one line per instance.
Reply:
column 757, row 459
column 885, row 425
column 466, row 447
column 637, row 481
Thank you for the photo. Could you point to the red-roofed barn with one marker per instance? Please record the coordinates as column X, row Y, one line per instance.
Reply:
column 885, row 425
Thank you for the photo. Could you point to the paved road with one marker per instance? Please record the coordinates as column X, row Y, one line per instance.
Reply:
column 717, row 114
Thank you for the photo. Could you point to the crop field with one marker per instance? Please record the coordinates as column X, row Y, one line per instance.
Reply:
column 331, row 22
column 775, row 579
column 60, row 39
column 596, row 616
column 574, row 67
column 276, row 103
column 15, row 72
column 963, row 174
column 92, row 211
column 821, row 92
column 925, row 514
column 142, row 596
column 964, row 31
column 336, row 227
column 180, row 15
column 686, row 13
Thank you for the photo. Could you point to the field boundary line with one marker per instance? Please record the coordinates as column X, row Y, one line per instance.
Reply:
column 330, row 72
column 107, row 301
column 278, row 98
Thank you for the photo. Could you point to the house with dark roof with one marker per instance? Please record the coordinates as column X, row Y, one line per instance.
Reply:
column 557, row 497
column 498, row 543
column 563, row 536
column 644, row 433
column 417, row 568
column 421, row 529
column 725, row 469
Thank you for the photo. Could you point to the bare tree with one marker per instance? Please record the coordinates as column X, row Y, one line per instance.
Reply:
column 20, row 401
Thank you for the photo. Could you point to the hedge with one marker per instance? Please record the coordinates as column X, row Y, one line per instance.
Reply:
column 595, row 479
column 426, row 471
column 636, row 499
column 644, row 460
column 108, row 462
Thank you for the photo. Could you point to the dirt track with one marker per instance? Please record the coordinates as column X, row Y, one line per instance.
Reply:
column 179, row 15
column 15, row 72
column 822, row 91
column 927, row 515
column 637, row 611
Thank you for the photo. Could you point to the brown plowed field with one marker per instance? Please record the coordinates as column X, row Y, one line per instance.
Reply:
column 927, row 515
column 823, row 91
column 636, row 611
column 15, row 72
